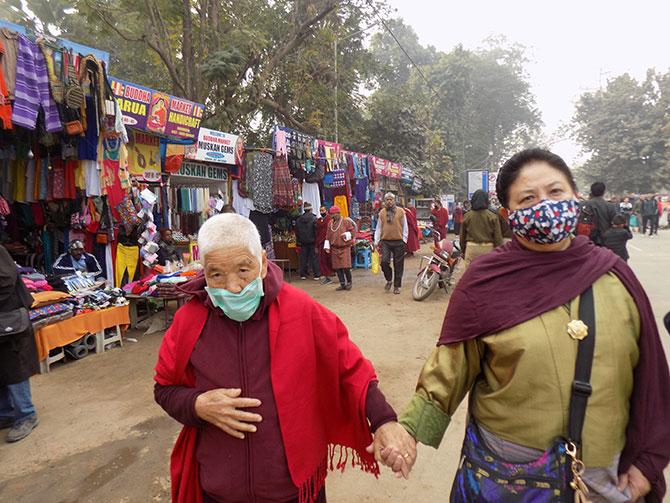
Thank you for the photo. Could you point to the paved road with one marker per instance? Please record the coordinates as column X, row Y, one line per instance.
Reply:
column 102, row 439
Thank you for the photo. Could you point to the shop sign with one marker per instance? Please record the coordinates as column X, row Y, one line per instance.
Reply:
column 201, row 170
column 214, row 146
column 157, row 112
column 477, row 180
column 144, row 156
column 394, row 170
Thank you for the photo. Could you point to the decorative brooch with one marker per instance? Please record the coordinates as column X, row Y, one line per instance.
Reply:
column 578, row 330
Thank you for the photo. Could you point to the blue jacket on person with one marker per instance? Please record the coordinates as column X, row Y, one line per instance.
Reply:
column 64, row 266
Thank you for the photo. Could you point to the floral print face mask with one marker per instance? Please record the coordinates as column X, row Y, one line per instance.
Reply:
column 547, row 222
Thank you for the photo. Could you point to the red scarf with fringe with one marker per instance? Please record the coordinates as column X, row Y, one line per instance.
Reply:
column 320, row 381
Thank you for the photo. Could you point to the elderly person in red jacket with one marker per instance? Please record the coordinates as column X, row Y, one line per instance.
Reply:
column 265, row 381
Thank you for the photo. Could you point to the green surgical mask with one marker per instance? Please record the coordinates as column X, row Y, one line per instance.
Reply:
column 238, row 306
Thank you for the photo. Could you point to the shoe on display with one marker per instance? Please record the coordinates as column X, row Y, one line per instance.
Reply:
column 388, row 286
column 22, row 429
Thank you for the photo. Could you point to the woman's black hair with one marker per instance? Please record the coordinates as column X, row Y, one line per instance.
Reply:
column 510, row 170
column 480, row 200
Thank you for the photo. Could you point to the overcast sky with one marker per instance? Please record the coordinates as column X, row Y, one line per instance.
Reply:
column 573, row 46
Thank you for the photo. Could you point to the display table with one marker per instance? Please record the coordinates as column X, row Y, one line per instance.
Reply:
column 68, row 331
column 135, row 317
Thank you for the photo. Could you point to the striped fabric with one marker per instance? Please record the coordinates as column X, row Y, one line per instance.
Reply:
column 32, row 89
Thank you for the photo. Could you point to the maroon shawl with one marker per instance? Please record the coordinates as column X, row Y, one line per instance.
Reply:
column 413, row 226
column 488, row 299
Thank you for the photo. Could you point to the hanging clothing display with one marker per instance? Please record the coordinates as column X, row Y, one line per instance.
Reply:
column 341, row 201
column 242, row 205
column 92, row 175
column 259, row 181
column 282, row 186
column 311, row 194
column 126, row 261
column 32, row 89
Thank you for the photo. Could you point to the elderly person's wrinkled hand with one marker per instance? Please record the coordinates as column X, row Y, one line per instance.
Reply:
column 637, row 484
column 395, row 448
column 221, row 407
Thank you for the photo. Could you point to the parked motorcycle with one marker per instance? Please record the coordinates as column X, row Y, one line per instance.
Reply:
column 438, row 268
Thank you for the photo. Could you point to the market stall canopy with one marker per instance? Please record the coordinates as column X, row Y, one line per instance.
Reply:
column 157, row 112
column 76, row 48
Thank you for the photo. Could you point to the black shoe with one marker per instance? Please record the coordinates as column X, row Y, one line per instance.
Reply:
column 348, row 287
column 341, row 288
column 22, row 429
column 326, row 281
column 396, row 290
column 388, row 286
column 6, row 423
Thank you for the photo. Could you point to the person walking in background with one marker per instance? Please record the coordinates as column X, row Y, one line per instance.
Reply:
column 390, row 238
column 413, row 244
column 339, row 241
column 602, row 211
column 440, row 220
column 659, row 212
column 616, row 237
column 458, row 218
column 325, row 266
column 637, row 213
column 626, row 209
column 18, row 353
column 480, row 232
column 649, row 214
column 305, row 233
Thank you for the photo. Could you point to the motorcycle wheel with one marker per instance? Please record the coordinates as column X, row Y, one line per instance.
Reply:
column 425, row 284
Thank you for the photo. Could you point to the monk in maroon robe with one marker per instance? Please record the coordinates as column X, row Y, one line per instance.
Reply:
column 413, row 236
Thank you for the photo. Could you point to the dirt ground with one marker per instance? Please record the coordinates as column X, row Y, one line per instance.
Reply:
column 102, row 438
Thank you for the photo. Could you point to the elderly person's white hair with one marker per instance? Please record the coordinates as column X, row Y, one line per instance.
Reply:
column 390, row 194
column 229, row 230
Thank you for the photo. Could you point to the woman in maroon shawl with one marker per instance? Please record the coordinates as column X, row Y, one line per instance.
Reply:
column 510, row 339
column 413, row 236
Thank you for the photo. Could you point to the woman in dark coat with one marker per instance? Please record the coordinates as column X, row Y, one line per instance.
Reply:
column 18, row 354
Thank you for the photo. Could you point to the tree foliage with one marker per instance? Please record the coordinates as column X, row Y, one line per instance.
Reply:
column 624, row 128
column 255, row 63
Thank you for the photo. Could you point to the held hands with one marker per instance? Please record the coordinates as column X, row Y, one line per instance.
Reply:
column 220, row 407
column 395, row 448
column 637, row 484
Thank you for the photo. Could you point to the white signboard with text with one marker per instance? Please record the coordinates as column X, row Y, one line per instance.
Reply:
column 213, row 146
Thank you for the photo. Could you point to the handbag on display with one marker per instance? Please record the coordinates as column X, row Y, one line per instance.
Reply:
column 74, row 94
column 74, row 128
column 555, row 475
column 128, row 214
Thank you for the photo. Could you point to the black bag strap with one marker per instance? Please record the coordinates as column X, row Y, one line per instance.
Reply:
column 581, row 386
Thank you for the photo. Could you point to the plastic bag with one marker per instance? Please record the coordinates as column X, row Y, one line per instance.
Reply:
column 375, row 262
